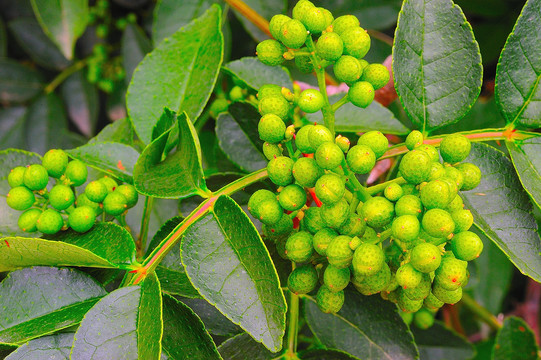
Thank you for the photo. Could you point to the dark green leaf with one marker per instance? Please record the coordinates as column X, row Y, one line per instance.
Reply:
column 120, row 131
column 114, row 158
column 519, row 70
column 515, row 341
column 502, row 210
column 166, row 179
column 367, row 327
column 34, row 41
column 350, row 118
column 63, row 21
column 437, row 64
column 40, row 300
column 526, row 157
column 326, row 354
column 228, row 263
column 373, row 14
column 82, row 102
column 484, row 349
column 126, row 324
column 439, row 342
column 51, row 347
column 256, row 74
column 12, row 131
column 166, row 121
column 215, row 322
column 5, row 350
column 18, row 83
column 135, row 45
column 180, row 74
column 238, row 137
column 267, row 9
column 242, row 346
column 185, row 336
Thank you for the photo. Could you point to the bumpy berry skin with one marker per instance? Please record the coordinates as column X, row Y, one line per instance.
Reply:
column 445, row 295
column 335, row 215
column 304, row 63
column 302, row 140
column 36, row 177
column 438, row 223
column 319, row 134
column 276, row 24
column 301, row 8
column 345, row 22
column 361, row 159
column 236, row 92
column 471, row 175
column 269, row 212
column 356, row 42
column 455, row 176
column 28, row 220
column 315, row 20
column 393, row 192
column 269, row 90
column 312, row 220
column 451, row 274
column 414, row 139
column 466, row 246
column 361, row 94
column 415, row 166
column 425, row 257
column 130, row 193
column 456, row 204
column 354, row 226
column 292, row 197
column 330, row 46
column 408, row 277
column 279, row 170
column 435, row 195
column 436, row 171
column 421, row 291
column 76, row 172
column 302, row 280
column 408, row 205
column 328, row 301
column 343, row 143
column 368, row 259
column 310, row 101
column 330, row 188
column 49, row 222
column 455, row 148
column 81, row 219
column 463, row 220
column 408, row 305
column 336, row 278
column 406, row 228
column 271, row 128
column 115, row 203
column 82, row 200
column 373, row 284
column 20, row 198
column 339, row 253
column 377, row 75
column 376, row 141
column 432, row 303
column 16, row 176
column 270, row 52
column 423, row 319
column 329, row 18
column 55, row 161
column 293, row 34
column 284, row 226
column 306, row 172
column 257, row 198
column 322, row 239
column 328, row 156
column 347, row 69
column 61, row 197
column 96, row 191
column 377, row 212
column 299, row 247
column 109, row 183
column 276, row 105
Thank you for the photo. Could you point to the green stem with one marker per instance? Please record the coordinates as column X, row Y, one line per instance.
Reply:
column 479, row 311
column 340, row 102
column 290, row 150
column 59, row 79
column 292, row 330
column 373, row 190
column 384, row 235
column 145, row 221
column 360, row 191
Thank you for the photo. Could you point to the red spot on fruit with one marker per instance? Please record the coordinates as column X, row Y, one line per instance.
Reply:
column 453, row 280
column 120, row 166
column 7, row 244
column 521, row 328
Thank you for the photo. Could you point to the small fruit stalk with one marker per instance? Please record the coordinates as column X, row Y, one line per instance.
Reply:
column 411, row 243
column 50, row 211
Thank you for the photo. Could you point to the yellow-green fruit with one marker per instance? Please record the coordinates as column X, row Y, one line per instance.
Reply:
column 329, row 156
column 299, row 247
column 393, row 192
column 306, row 172
column 61, row 197
column 257, row 198
column 329, row 301
column 16, row 176
column 414, row 139
column 276, row 24
column 284, row 226
column 432, row 303
column 438, row 223
column 425, row 257
column 302, row 140
column 49, row 222
column 28, row 220
column 361, row 159
column 407, row 305
column 368, row 259
column 269, row 90
column 423, row 319
column 377, row 75
column 406, row 228
column 463, row 220
column 343, row 143
column 377, row 211
column 376, row 141
column 274, row 104
column 466, row 246
column 310, row 101
column 330, row 188
column 82, row 200
column 436, row 195
column 330, row 46
column 301, row 8
column 409, row 205
column 115, row 203
column 455, row 176
column 279, row 170
column 431, row 151
column 369, row 285
column 20, row 198
column 314, row 20
column 312, row 220
column 292, row 197
column 456, row 204
column 130, row 193
column 451, row 274
column 471, row 175
column 304, row 63
column 35, row 177
column 96, row 191
column 339, row 253
column 356, row 42
column 347, row 69
column 55, row 161
column 293, row 34
column 322, row 239
column 303, row 279
column 335, row 215
column 436, row 171
column 408, row 277
column 82, row 218
column 421, row 291
column 447, row 296
column 353, row 226
column 415, row 166
column 271, row 128
column 336, row 278
column 269, row 212
column 455, row 148
column 269, row 52
column 345, row 22
column 319, row 134
column 76, row 172
column 109, row 183
column 361, row 94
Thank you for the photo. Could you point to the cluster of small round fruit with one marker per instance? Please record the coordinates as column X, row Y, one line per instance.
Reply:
column 341, row 42
column 58, row 208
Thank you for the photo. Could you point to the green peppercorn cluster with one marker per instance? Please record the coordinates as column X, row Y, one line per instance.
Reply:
column 49, row 211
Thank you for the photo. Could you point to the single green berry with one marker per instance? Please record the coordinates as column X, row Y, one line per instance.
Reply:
column 330, row 188
column 301, row 9
column 356, row 42
column 368, row 259
column 435, row 194
column 304, row 63
column 299, row 247
column 302, row 140
column 361, row 159
column 471, row 175
column 377, row 211
column 276, row 105
column 409, row 205
column 257, row 198
column 347, row 69
column 345, row 22
column 310, row 101
column 109, row 183
column 455, row 148
column 455, row 175
column 115, row 203
column 270, row 52
column 466, row 246
column 408, row 305
column 312, row 220
column 407, row 317
column 322, row 239
column 369, row 285
column 329, row 156
column 130, row 193
column 354, row 226
column 453, row 189
column 330, row 46
column 35, row 177
column 236, row 93
column 20, row 198
column 438, row 223
column 415, row 166
column 55, row 161
column 284, row 226
column 463, row 220
column 421, row 291
column 335, row 215
column 437, row 170
column 61, row 197
column 414, row 139
column 271, row 128
column 329, row 301
column 76, row 172
column 339, row 254
column 425, row 257
column 218, row 106
column 293, row 34
column 343, row 143
column 431, row 151
column 423, row 319
column 96, row 191
column 292, row 197
column 432, row 303
column 445, row 295
column 82, row 200
column 361, row 94
column 408, row 277
column 302, row 280
column 406, row 228
column 50, row 222
column 279, row 170
column 314, row 20
column 306, row 172
column 269, row 90
column 269, row 212
column 336, row 278
column 393, row 192
column 456, row 204
column 82, row 218
column 376, row 141
column 319, row 134
column 276, row 24
column 377, row 75
column 355, row 243
column 16, row 176
column 329, row 18
column 290, row 132
column 272, row 150
column 28, row 220
column 451, row 274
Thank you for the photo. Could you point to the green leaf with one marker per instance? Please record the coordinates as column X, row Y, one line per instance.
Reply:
column 502, row 210
column 267, row 9
column 437, row 64
column 439, row 342
column 82, row 103
column 120, row 131
column 40, row 300
column 166, row 121
column 126, row 323
column 166, row 179
column 256, row 74
column 326, row 354
column 184, row 335
column 238, row 137
column 55, row 347
column 367, row 327
column 105, row 245
column 12, row 131
column 519, row 70
column 135, row 45
column 36, row 44
column 215, row 322
column 229, row 265
column 239, row 346
column 5, row 350
column 180, row 74
column 63, row 21
column 114, row 158
column 350, row 118
column 527, row 161
column 18, row 83
column 515, row 341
